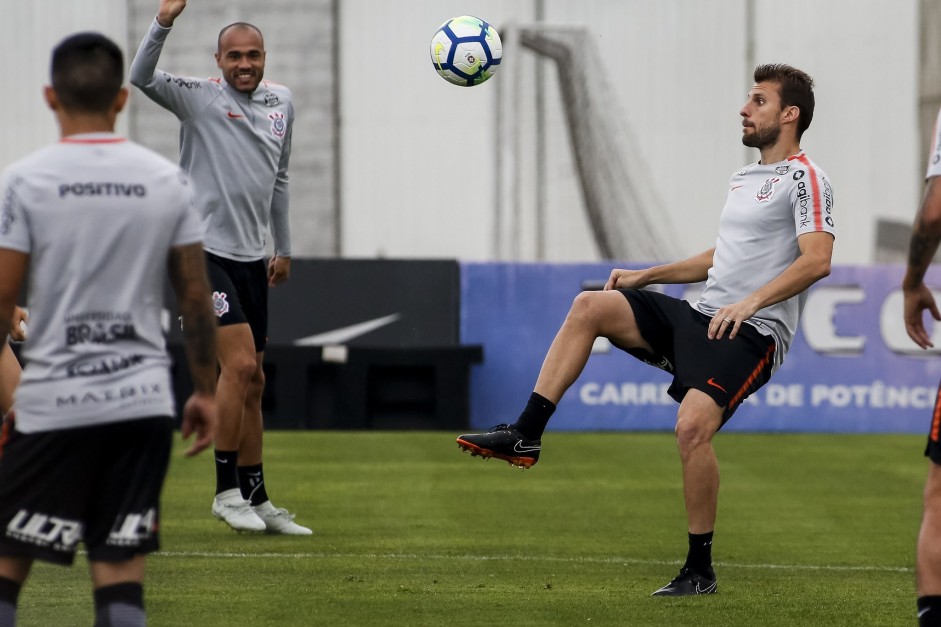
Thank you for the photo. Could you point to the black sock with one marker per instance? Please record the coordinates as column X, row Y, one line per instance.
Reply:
column 532, row 422
column 699, row 557
column 227, row 476
column 9, row 594
column 252, row 484
column 929, row 611
column 120, row 604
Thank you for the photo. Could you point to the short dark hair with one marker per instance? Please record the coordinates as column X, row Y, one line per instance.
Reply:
column 226, row 29
column 87, row 72
column 795, row 88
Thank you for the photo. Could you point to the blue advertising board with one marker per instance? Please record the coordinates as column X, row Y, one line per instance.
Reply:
column 851, row 368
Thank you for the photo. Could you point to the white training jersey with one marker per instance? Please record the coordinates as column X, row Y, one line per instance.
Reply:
column 934, row 159
column 767, row 209
column 236, row 148
column 97, row 216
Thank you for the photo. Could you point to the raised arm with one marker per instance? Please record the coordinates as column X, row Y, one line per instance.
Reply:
column 182, row 96
column 144, row 64
column 169, row 10
column 187, row 269
column 690, row 270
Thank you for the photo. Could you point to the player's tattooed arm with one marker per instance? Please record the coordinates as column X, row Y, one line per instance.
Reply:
column 187, row 268
column 926, row 235
column 921, row 250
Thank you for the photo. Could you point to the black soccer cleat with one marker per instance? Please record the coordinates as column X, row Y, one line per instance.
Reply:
column 503, row 442
column 687, row 583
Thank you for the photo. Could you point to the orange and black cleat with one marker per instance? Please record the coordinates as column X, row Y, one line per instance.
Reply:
column 503, row 442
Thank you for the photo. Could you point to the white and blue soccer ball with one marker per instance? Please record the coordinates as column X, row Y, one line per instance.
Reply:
column 466, row 50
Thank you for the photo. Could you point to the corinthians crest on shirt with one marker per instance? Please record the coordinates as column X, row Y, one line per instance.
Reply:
column 278, row 125
column 767, row 190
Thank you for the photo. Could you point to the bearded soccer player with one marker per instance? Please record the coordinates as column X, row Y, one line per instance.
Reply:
column 97, row 223
column 235, row 142
column 775, row 240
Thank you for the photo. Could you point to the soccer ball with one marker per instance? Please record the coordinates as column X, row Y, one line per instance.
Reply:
column 466, row 50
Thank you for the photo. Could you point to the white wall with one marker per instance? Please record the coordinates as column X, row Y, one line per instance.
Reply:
column 418, row 176
column 29, row 31
column 417, row 153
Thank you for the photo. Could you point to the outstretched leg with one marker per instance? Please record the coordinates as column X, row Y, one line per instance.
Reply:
column 592, row 315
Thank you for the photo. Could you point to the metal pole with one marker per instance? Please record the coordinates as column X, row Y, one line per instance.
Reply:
column 750, row 61
column 540, row 113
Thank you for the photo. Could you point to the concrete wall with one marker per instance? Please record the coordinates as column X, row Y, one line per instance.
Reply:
column 300, row 44
column 29, row 31
column 390, row 160
column 418, row 154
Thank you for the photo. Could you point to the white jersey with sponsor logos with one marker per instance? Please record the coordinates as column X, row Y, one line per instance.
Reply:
column 767, row 209
column 235, row 146
column 934, row 159
column 97, row 215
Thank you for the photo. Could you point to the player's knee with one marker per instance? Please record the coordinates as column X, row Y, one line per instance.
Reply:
column 241, row 369
column 692, row 432
column 257, row 383
column 586, row 310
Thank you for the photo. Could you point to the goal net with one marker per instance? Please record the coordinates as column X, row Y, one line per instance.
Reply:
column 624, row 213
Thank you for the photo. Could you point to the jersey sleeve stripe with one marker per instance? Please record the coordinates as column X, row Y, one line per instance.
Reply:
column 815, row 191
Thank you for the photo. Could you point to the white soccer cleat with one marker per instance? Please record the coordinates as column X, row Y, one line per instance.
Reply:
column 279, row 520
column 230, row 507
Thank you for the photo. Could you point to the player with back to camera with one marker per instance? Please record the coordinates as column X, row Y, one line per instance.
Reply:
column 96, row 223
column 926, row 235
column 775, row 240
column 235, row 142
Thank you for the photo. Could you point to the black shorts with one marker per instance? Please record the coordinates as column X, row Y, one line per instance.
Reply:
column 99, row 485
column 933, row 450
column 727, row 370
column 240, row 294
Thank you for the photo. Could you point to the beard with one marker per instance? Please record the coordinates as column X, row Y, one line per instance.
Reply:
column 761, row 138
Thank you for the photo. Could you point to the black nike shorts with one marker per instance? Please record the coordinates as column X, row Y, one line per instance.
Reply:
column 727, row 370
column 99, row 485
column 933, row 450
column 240, row 294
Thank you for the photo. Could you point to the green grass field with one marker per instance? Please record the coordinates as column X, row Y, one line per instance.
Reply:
column 812, row 530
